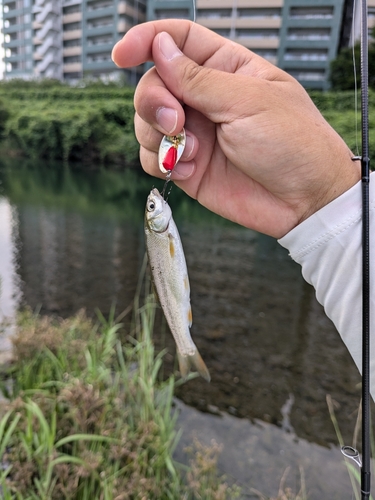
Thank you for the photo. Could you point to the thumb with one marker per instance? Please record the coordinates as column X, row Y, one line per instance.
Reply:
column 208, row 90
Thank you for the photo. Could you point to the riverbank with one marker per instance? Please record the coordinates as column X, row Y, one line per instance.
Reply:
column 93, row 122
column 89, row 417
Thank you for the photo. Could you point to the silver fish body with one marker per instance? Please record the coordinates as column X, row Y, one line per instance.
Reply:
column 170, row 278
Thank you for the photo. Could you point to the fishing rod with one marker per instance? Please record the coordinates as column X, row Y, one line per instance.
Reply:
column 365, row 171
column 349, row 451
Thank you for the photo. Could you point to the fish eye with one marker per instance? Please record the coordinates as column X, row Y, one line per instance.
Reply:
column 151, row 206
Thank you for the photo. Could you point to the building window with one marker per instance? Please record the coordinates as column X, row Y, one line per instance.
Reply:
column 260, row 13
column 72, row 76
column 266, row 53
column 257, row 33
column 72, row 59
column 99, row 40
column 100, row 23
column 311, row 12
column 303, row 75
column 72, row 26
column 126, row 18
column 101, row 57
column 306, row 55
column 101, row 4
column 10, row 22
column 72, row 43
column 309, row 33
column 72, row 9
column 214, row 13
column 171, row 14
column 12, row 66
column 222, row 31
column 10, row 37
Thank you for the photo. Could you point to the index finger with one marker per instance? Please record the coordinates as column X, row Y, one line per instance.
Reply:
column 195, row 41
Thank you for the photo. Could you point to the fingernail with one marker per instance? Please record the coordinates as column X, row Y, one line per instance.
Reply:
column 167, row 46
column 167, row 119
column 113, row 52
column 184, row 169
column 189, row 146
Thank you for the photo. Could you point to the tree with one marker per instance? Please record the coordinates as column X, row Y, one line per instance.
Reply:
column 342, row 68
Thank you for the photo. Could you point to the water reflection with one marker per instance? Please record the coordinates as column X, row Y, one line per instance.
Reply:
column 75, row 239
column 10, row 290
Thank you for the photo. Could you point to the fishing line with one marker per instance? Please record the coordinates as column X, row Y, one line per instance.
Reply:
column 194, row 11
column 174, row 143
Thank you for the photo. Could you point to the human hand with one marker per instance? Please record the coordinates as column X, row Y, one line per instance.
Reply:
column 258, row 151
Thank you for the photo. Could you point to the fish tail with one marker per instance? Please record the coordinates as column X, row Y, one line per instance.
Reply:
column 186, row 363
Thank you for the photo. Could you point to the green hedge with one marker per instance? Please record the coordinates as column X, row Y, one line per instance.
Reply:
column 86, row 125
column 93, row 123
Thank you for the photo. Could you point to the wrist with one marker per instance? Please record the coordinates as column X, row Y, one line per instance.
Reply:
column 340, row 179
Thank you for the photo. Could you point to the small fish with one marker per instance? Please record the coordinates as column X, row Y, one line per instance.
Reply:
column 170, row 278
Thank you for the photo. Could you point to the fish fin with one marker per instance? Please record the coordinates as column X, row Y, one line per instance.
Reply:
column 172, row 250
column 186, row 284
column 190, row 316
column 193, row 361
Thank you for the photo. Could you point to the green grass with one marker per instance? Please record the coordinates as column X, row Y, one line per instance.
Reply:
column 88, row 418
column 353, row 470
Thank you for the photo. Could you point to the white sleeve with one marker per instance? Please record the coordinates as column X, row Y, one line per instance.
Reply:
column 328, row 246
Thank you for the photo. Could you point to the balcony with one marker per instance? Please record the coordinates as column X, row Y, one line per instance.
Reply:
column 19, row 42
column 68, row 3
column 37, row 26
column 72, row 18
column 97, row 13
column 15, row 28
column 257, row 43
column 72, row 35
column 228, row 4
column 72, row 68
column 103, row 47
column 13, row 13
column 72, row 51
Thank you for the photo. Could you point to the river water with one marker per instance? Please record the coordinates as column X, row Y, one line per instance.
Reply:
column 71, row 239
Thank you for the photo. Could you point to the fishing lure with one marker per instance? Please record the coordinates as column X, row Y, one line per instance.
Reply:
column 170, row 151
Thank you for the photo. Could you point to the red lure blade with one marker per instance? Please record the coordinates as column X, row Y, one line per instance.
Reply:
column 170, row 159
column 170, row 151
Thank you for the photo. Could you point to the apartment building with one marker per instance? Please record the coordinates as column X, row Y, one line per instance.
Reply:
column 300, row 36
column 67, row 39
column 310, row 38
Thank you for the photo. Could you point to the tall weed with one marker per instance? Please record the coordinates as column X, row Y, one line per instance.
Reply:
column 88, row 417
